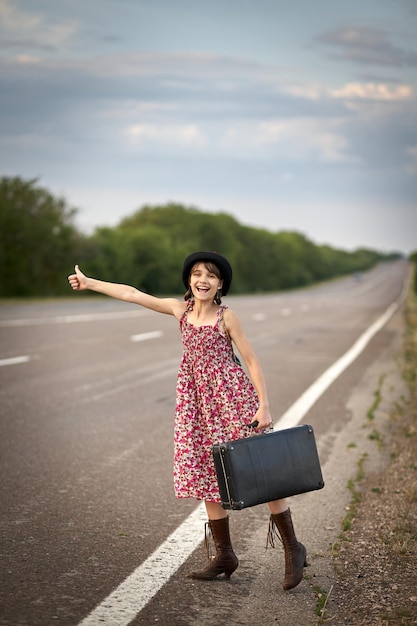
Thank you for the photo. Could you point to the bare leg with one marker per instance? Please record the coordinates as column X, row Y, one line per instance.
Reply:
column 278, row 506
column 215, row 510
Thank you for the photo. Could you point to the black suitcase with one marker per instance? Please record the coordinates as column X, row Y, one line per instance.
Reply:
column 267, row 467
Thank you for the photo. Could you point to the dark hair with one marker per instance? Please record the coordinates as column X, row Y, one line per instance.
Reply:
column 211, row 267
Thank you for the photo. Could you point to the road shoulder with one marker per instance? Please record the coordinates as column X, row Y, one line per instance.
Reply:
column 353, row 453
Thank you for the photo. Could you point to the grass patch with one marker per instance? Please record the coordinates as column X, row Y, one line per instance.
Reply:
column 377, row 399
column 321, row 603
column 376, row 436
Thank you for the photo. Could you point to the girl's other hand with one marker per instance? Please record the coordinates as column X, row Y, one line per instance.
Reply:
column 264, row 419
column 77, row 281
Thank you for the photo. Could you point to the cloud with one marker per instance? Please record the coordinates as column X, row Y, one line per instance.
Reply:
column 24, row 31
column 373, row 91
column 369, row 90
column 200, row 107
column 227, row 72
column 306, row 139
column 367, row 45
column 179, row 135
column 15, row 20
column 153, row 89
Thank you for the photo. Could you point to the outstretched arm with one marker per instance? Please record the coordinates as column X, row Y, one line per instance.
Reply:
column 81, row 282
column 263, row 415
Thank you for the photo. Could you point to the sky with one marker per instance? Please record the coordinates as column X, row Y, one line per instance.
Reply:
column 289, row 115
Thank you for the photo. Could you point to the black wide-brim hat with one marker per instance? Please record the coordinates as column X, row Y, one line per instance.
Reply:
column 211, row 257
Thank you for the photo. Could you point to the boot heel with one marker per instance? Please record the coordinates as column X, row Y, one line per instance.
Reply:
column 229, row 572
column 305, row 557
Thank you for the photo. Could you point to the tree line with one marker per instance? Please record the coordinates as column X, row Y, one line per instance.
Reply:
column 39, row 243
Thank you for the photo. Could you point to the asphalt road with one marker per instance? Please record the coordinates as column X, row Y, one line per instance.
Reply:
column 87, row 393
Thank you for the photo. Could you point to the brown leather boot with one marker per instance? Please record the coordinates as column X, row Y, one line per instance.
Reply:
column 225, row 562
column 295, row 552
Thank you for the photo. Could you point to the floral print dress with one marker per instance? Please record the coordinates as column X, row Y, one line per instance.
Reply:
column 215, row 401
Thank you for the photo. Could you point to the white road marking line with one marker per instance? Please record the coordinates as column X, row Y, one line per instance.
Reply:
column 14, row 360
column 70, row 319
column 129, row 598
column 145, row 336
column 132, row 595
column 286, row 312
column 259, row 317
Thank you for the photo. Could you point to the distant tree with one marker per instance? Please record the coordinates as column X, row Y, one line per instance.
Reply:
column 161, row 236
column 37, row 239
column 141, row 257
column 188, row 228
column 184, row 230
column 39, row 243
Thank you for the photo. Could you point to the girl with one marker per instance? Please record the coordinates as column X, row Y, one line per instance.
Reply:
column 215, row 400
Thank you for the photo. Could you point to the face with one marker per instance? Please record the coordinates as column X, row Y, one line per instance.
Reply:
column 205, row 281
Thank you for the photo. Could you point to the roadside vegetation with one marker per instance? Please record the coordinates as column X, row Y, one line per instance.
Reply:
column 40, row 242
column 376, row 555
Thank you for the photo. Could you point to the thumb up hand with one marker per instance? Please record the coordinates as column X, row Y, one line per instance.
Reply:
column 77, row 281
